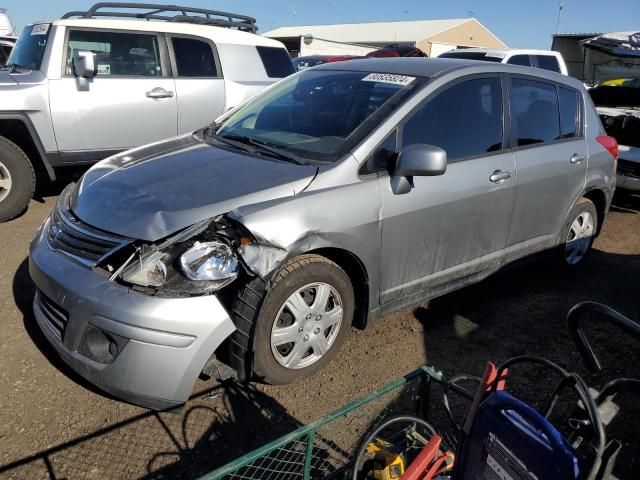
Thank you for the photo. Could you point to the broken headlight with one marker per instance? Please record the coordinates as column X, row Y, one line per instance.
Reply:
column 152, row 272
column 200, row 260
column 210, row 261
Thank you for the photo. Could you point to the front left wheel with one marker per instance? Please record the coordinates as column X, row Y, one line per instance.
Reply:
column 298, row 325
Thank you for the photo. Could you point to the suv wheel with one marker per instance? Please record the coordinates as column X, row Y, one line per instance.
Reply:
column 298, row 325
column 17, row 180
column 579, row 232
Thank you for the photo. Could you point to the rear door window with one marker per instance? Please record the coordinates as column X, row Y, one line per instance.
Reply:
column 465, row 120
column 194, row 58
column 117, row 53
column 277, row 62
column 548, row 62
column 569, row 112
column 523, row 60
column 534, row 112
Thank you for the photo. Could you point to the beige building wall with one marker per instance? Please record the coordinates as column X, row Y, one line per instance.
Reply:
column 467, row 34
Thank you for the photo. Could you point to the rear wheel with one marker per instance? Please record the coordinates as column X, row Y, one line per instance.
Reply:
column 17, row 180
column 579, row 232
column 301, row 321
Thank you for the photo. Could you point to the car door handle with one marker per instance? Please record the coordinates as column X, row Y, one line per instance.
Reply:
column 575, row 158
column 159, row 92
column 499, row 176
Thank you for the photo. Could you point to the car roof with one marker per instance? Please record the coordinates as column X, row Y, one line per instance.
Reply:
column 217, row 34
column 430, row 67
column 418, row 67
column 526, row 51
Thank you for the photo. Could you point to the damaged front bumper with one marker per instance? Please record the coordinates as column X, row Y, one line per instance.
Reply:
column 143, row 349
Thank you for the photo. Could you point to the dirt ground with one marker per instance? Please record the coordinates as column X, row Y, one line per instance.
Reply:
column 55, row 425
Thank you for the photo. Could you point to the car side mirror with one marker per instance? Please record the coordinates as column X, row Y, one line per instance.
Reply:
column 419, row 160
column 84, row 64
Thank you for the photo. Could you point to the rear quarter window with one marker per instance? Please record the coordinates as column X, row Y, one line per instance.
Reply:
column 277, row 62
column 569, row 112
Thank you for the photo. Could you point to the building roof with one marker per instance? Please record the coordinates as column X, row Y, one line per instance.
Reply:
column 380, row 32
column 581, row 35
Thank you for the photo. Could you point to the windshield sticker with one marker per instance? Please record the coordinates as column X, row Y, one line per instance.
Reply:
column 389, row 78
column 40, row 29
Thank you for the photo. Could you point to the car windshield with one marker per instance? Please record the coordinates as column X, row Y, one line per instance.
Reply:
column 30, row 46
column 318, row 114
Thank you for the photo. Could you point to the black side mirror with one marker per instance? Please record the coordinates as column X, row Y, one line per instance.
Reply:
column 417, row 160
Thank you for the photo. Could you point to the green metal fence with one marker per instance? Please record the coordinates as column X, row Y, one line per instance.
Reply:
column 320, row 450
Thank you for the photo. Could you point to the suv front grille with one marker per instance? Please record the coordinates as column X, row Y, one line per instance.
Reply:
column 78, row 240
column 626, row 167
column 55, row 317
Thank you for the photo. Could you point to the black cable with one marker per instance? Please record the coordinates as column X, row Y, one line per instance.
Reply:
column 386, row 424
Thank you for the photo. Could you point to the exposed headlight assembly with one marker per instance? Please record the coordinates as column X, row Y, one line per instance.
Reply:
column 210, row 261
column 181, row 265
column 151, row 272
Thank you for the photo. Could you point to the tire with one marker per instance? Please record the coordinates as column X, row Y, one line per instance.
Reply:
column 318, row 331
column 578, row 233
column 17, row 180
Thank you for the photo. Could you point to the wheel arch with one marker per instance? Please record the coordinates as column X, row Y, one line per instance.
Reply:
column 358, row 275
column 599, row 199
column 19, row 129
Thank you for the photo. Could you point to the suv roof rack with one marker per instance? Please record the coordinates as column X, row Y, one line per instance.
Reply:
column 150, row 11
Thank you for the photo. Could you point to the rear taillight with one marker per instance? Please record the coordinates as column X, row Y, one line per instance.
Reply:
column 610, row 143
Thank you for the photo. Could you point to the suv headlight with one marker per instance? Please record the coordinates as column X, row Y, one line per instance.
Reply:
column 210, row 261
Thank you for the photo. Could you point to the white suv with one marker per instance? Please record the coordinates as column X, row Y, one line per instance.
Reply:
column 79, row 89
column 545, row 59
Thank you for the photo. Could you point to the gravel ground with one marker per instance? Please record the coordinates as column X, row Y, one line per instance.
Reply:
column 55, row 425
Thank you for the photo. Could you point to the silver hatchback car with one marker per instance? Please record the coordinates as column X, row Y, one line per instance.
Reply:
column 340, row 194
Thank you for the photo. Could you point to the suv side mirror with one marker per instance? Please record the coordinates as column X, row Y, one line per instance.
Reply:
column 417, row 160
column 84, row 64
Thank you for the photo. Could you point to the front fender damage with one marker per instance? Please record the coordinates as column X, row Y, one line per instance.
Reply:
column 273, row 243
column 262, row 259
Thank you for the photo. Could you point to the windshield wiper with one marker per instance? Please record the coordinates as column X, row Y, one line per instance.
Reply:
column 263, row 147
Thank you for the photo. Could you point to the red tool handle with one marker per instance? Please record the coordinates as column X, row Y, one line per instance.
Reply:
column 423, row 460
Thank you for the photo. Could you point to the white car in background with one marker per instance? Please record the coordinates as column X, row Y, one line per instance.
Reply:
column 98, row 82
column 545, row 59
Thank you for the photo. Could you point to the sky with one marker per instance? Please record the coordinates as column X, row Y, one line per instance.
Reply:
column 518, row 23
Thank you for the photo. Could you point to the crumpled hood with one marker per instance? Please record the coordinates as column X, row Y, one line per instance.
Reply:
column 154, row 191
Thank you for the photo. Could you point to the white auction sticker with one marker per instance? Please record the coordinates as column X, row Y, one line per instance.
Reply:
column 389, row 78
column 40, row 29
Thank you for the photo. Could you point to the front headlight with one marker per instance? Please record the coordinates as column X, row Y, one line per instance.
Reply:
column 212, row 261
column 152, row 272
column 197, row 261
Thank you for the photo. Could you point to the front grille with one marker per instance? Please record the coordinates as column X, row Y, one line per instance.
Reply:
column 55, row 317
column 628, row 168
column 71, row 236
